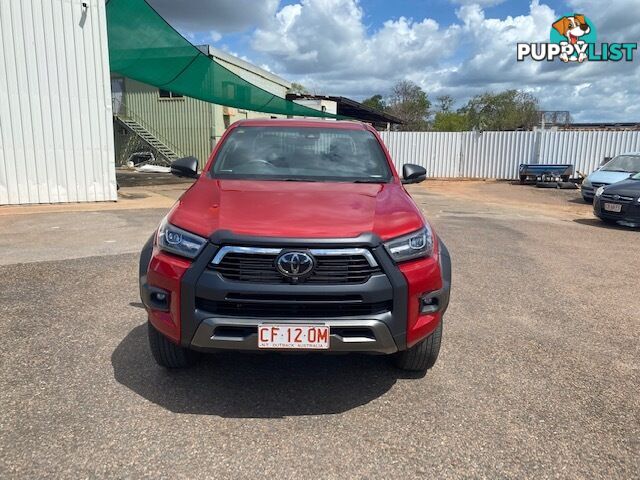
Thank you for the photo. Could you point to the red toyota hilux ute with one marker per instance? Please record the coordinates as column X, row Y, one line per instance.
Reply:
column 298, row 235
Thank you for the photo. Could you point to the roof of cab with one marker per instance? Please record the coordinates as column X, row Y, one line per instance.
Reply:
column 301, row 122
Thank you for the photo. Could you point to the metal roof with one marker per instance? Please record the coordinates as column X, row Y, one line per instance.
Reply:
column 352, row 109
column 218, row 54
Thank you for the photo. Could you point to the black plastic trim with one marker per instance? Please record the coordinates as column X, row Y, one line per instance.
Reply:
column 188, row 325
column 212, row 285
column 143, row 266
column 400, row 295
column 146, row 296
column 445, row 268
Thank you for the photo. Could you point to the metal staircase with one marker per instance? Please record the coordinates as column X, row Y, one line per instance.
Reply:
column 165, row 152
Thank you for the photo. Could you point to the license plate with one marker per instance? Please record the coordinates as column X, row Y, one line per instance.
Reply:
column 613, row 207
column 298, row 337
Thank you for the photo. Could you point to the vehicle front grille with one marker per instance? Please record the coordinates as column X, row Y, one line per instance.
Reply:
column 329, row 269
column 619, row 199
column 598, row 185
column 292, row 306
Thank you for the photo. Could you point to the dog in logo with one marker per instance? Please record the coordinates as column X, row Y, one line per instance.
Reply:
column 572, row 28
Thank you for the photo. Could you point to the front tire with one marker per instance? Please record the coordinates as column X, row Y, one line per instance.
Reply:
column 422, row 356
column 166, row 353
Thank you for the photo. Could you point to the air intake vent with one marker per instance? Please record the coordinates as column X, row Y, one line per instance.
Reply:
column 329, row 269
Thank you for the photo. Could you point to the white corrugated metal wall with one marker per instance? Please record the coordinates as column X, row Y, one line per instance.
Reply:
column 586, row 150
column 498, row 154
column 495, row 154
column 438, row 152
column 56, row 131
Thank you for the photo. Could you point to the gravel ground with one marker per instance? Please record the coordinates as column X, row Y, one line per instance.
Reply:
column 538, row 375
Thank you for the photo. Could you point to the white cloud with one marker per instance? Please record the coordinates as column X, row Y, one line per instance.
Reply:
column 616, row 21
column 607, row 90
column 482, row 3
column 222, row 15
column 327, row 39
column 326, row 45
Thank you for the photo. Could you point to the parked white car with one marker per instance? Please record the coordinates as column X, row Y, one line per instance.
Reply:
column 619, row 168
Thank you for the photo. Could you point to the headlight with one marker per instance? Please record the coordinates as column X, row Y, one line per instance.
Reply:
column 599, row 191
column 175, row 240
column 415, row 245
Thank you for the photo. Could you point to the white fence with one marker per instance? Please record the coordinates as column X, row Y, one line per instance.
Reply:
column 499, row 154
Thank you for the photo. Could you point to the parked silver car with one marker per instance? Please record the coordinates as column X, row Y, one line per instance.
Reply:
column 619, row 168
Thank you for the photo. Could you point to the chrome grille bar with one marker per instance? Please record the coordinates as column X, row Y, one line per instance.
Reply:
column 318, row 252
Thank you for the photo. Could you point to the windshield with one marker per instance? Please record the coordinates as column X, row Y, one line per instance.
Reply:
column 623, row 163
column 302, row 154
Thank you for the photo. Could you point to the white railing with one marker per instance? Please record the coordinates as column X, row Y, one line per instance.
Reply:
column 498, row 154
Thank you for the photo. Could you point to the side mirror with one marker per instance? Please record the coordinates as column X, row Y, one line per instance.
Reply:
column 413, row 173
column 185, row 167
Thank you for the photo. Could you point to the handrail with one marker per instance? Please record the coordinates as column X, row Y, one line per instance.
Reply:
column 143, row 124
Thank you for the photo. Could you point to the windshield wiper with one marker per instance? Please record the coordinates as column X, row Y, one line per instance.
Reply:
column 369, row 180
column 296, row 180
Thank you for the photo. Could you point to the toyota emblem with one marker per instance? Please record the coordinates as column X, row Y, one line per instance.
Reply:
column 295, row 265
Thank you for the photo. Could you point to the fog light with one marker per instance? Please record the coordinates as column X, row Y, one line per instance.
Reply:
column 158, row 299
column 429, row 304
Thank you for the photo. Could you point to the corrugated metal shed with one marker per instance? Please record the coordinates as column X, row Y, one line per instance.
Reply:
column 56, row 132
column 184, row 124
column 187, row 126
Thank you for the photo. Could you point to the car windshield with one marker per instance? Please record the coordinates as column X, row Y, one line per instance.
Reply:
column 623, row 163
column 302, row 154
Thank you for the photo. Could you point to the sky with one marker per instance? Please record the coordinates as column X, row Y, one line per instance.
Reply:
column 461, row 48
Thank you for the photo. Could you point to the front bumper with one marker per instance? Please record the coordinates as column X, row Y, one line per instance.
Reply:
column 629, row 214
column 188, row 321
column 347, row 334
column 587, row 192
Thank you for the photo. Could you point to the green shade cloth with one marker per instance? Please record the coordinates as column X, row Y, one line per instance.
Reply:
column 144, row 47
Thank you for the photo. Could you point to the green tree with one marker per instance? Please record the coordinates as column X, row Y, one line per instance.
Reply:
column 375, row 102
column 445, row 102
column 411, row 104
column 450, row 122
column 298, row 88
column 508, row 110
